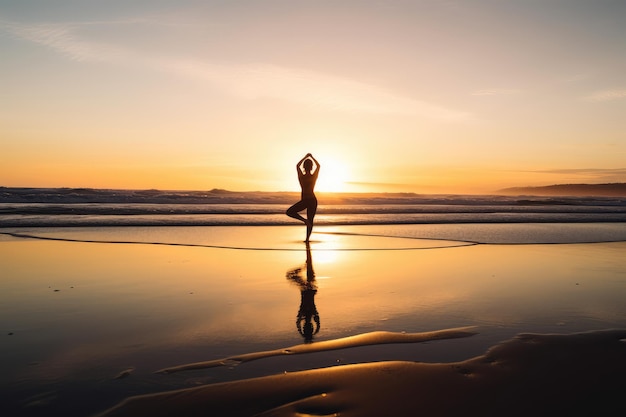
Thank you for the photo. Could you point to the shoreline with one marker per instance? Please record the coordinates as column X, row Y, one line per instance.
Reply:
column 404, row 236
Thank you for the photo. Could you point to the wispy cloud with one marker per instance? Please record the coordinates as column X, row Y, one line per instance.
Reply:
column 247, row 81
column 310, row 88
column 607, row 95
column 590, row 174
column 496, row 92
column 62, row 39
column 585, row 171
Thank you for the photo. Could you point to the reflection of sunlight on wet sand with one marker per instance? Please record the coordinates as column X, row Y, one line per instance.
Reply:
column 325, row 249
column 270, row 238
column 174, row 295
column 334, row 238
column 325, row 257
column 519, row 377
column 367, row 339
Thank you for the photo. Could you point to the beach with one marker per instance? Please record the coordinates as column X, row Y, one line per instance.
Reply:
column 92, row 316
column 451, row 241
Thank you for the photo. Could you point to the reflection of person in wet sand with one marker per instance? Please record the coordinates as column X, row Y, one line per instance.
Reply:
column 307, row 315
column 307, row 175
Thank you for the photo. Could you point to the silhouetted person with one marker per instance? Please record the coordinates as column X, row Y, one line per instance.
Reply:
column 307, row 175
column 307, row 314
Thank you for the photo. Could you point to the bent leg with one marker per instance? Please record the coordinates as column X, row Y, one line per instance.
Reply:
column 294, row 210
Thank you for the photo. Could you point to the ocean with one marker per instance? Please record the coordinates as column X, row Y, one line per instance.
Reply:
column 41, row 207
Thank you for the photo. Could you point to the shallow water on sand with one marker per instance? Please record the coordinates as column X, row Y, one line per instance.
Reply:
column 87, row 324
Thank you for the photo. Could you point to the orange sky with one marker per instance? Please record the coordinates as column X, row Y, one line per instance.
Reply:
column 416, row 96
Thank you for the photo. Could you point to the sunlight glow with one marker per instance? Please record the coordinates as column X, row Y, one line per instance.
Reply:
column 325, row 257
column 135, row 95
column 333, row 177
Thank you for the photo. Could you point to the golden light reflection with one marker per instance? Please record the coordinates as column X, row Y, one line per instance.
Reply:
column 326, row 256
column 162, row 296
column 326, row 250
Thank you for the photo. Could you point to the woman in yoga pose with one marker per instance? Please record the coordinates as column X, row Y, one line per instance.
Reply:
column 308, row 169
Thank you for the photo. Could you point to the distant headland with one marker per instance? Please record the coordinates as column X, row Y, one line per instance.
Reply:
column 583, row 190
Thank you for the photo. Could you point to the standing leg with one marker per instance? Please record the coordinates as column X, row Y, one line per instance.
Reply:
column 310, row 215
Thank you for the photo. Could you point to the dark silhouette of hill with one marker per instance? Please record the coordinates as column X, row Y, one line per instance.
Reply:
column 587, row 190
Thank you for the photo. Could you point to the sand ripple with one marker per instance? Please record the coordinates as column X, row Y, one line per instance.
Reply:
column 539, row 375
column 366, row 339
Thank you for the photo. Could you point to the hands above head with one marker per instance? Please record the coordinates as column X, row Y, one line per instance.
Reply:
column 308, row 156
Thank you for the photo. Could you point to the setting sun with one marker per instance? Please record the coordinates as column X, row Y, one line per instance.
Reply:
column 333, row 176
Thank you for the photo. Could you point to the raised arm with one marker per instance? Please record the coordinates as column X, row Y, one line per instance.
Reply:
column 299, row 167
column 317, row 164
column 299, row 164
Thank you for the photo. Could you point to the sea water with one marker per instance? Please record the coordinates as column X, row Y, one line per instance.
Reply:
column 85, row 207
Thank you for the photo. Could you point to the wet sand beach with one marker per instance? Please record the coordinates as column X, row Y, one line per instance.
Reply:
column 578, row 374
column 397, row 324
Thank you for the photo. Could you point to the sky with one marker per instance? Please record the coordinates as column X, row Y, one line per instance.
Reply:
column 390, row 96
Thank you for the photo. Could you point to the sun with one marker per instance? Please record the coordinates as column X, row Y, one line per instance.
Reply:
column 333, row 177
